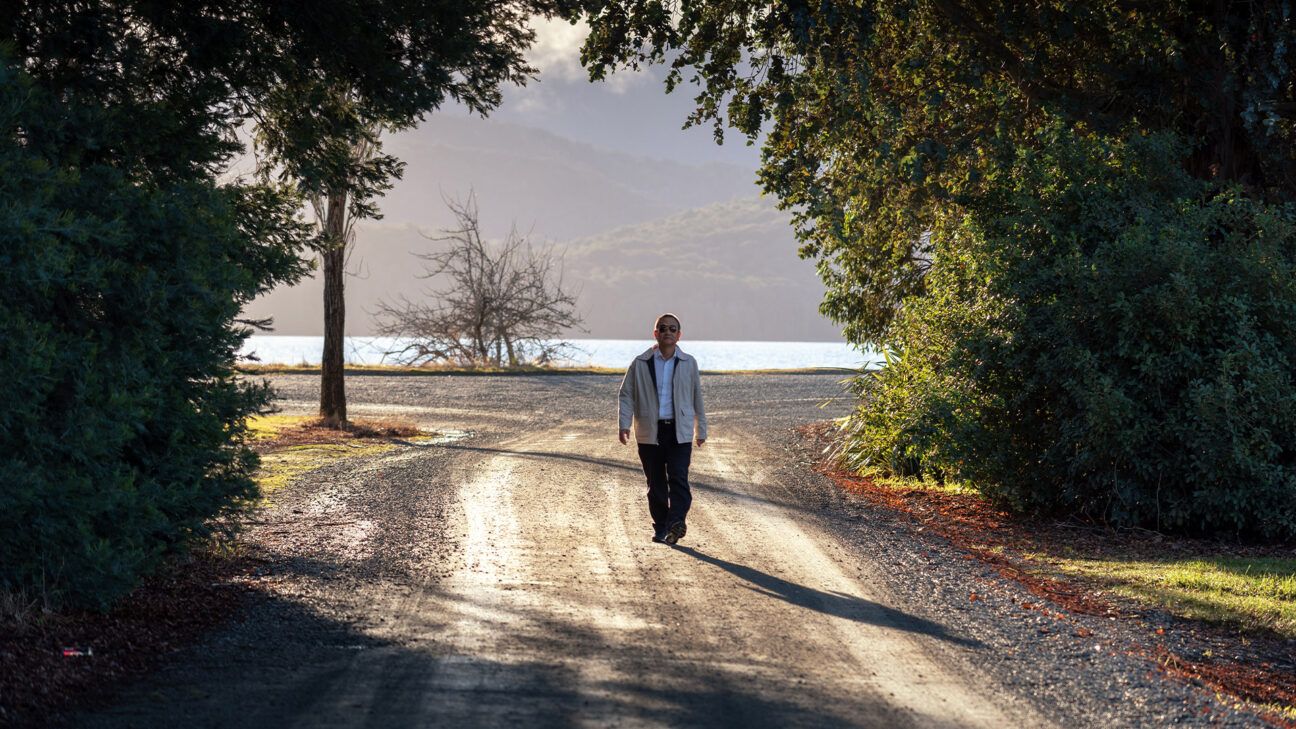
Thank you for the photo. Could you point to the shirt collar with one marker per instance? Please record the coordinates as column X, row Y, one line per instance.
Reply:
column 651, row 353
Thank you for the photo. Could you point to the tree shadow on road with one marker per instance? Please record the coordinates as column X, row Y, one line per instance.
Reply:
column 837, row 604
column 289, row 662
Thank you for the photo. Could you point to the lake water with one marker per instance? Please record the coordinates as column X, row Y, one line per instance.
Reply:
column 617, row 353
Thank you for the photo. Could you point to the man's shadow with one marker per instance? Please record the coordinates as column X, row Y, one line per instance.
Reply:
column 836, row 604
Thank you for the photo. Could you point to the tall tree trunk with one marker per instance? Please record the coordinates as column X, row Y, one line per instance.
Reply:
column 332, row 376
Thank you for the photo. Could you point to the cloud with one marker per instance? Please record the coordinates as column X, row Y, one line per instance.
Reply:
column 556, row 53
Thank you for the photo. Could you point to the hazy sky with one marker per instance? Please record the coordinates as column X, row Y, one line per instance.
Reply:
column 629, row 112
column 650, row 216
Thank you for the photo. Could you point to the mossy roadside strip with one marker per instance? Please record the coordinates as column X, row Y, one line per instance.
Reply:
column 1217, row 614
column 291, row 446
column 1253, row 593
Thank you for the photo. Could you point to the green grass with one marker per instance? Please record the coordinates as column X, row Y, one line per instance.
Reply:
column 1286, row 712
column 905, row 483
column 281, row 467
column 267, row 427
column 1257, row 592
column 1251, row 593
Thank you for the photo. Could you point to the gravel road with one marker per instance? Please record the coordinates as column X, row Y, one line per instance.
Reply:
column 503, row 575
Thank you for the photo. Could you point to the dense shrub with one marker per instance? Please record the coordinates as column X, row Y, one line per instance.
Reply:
column 120, row 416
column 1100, row 334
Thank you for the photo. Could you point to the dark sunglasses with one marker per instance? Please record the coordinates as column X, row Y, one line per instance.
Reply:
column 667, row 328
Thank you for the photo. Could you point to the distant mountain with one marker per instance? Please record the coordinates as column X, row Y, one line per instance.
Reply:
column 640, row 234
column 561, row 187
column 729, row 270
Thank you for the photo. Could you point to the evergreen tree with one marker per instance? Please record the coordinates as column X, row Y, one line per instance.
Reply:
column 881, row 113
column 126, row 260
column 1069, row 225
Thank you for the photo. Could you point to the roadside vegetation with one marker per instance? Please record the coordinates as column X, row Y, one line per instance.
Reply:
column 1247, row 587
column 128, row 253
column 1249, row 593
column 1070, row 226
column 291, row 446
column 55, row 656
column 1213, row 612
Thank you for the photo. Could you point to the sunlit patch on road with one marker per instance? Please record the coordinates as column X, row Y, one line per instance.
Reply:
column 442, row 437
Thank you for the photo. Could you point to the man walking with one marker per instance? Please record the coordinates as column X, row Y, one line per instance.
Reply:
column 661, row 396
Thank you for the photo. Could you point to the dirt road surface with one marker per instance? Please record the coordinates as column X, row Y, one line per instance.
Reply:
column 503, row 575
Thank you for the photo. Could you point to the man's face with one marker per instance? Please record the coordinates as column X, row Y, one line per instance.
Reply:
column 667, row 332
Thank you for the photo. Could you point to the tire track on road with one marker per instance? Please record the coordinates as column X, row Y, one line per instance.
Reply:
column 562, row 612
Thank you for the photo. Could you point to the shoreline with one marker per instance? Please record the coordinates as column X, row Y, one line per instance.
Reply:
column 404, row 371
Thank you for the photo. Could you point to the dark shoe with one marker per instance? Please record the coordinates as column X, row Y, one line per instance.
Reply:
column 676, row 532
column 659, row 537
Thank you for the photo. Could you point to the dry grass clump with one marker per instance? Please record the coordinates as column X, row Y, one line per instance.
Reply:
column 380, row 428
column 272, row 432
column 21, row 610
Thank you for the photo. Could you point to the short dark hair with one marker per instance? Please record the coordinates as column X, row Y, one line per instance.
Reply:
column 663, row 316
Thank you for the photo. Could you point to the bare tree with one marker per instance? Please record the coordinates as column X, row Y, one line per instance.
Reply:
column 505, row 304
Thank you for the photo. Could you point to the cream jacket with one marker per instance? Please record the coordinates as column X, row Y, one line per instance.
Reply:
column 639, row 399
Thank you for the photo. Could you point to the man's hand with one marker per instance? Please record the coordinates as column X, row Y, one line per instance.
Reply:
column 624, row 435
column 700, row 441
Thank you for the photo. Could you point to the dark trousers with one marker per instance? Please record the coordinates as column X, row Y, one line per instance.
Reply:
column 666, row 465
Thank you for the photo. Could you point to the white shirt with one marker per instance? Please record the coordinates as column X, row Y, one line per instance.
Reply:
column 665, row 370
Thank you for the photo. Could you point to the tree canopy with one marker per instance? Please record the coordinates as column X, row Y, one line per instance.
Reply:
column 1069, row 225
column 879, row 113
column 324, row 136
column 127, row 257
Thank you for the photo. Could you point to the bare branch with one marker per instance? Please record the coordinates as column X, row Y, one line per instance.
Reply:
column 503, row 304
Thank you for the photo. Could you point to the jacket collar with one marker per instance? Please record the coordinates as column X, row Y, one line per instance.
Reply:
column 648, row 354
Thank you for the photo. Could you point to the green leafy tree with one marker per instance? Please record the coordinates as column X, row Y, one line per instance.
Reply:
column 121, row 419
column 880, row 114
column 126, row 260
column 327, row 139
column 1106, row 337
column 1068, row 224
